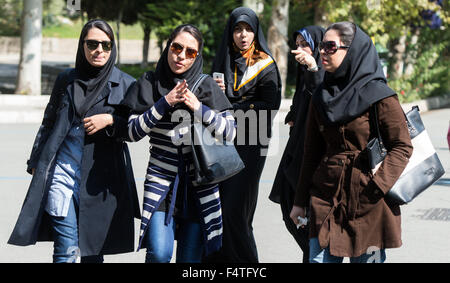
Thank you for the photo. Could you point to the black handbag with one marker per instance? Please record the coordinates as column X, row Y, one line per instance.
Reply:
column 424, row 167
column 214, row 160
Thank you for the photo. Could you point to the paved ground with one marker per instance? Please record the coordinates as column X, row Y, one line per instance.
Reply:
column 425, row 222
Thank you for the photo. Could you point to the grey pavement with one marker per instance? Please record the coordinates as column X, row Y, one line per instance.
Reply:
column 425, row 221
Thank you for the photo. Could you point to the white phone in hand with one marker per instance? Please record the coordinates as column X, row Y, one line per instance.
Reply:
column 220, row 76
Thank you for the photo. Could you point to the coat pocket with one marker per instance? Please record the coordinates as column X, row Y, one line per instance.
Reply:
column 327, row 177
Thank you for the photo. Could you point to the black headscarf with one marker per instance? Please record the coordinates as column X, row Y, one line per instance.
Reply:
column 306, row 79
column 355, row 85
column 152, row 86
column 227, row 59
column 91, row 80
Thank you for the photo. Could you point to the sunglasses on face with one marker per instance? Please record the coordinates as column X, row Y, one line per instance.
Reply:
column 178, row 48
column 93, row 44
column 331, row 47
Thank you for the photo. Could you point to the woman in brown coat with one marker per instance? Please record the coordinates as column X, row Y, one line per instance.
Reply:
column 348, row 212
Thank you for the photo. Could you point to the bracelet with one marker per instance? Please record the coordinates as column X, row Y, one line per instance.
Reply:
column 314, row 69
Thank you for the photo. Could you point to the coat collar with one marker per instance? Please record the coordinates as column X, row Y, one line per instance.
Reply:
column 114, row 78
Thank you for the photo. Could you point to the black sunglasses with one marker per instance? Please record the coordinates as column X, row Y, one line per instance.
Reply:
column 93, row 44
column 331, row 47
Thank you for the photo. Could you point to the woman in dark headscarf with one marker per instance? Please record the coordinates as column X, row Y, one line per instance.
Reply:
column 82, row 195
column 349, row 216
column 252, row 84
column 309, row 76
column 173, row 204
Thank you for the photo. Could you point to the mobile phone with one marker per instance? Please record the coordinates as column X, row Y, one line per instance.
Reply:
column 217, row 75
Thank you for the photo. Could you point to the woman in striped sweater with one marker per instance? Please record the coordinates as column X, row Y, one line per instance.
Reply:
column 162, row 105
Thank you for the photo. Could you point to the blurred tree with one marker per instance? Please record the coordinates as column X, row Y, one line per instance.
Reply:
column 29, row 73
column 278, row 37
column 255, row 5
column 209, row 16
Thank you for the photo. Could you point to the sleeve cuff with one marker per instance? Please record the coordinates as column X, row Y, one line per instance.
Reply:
column 162, row 105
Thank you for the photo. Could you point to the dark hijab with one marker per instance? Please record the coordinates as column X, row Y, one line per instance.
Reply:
column 154, row 85
column 91, row 80
column 355, row 85
column 305, row 79
column 227, row 59
column 313, row 35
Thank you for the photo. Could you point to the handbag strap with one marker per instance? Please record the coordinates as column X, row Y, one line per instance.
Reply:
column 373, row 120
column 197, row 83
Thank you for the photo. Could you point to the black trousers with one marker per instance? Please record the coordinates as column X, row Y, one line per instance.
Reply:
column 239, row 196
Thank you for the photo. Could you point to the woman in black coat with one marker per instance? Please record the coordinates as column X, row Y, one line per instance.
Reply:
column 252, row 84
column 309, row 76
column 82, row 195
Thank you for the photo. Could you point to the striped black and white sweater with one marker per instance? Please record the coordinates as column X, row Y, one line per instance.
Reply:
column 170, row 162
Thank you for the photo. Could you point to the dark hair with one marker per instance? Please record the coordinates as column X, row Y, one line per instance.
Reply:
column 346, row 31
column 192, row 30
column 100, row 24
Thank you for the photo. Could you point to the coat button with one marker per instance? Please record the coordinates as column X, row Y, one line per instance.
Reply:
column 252, row 106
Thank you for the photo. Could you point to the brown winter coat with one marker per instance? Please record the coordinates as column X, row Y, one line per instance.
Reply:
column 346, row 213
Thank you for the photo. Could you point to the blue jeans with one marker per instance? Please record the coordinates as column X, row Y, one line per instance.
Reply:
column 319, row 255
column 160, row 239
column 65, row 234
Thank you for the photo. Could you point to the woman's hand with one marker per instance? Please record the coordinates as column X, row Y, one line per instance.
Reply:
column 220, row 83
column 297, row 211
column 291, row 123
column 97, row 122
column 304, row 58
column 176, row 95
column 191, row 101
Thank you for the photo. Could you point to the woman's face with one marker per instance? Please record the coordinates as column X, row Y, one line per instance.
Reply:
column 182, row 52
column 301, row 42
column 332, row 61
column 243, row 36
column 97, row 57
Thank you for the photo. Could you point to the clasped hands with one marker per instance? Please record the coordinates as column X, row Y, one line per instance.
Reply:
column 181, row 93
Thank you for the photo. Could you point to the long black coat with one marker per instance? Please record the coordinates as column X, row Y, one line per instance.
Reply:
column 108, row 197
column 283, row 189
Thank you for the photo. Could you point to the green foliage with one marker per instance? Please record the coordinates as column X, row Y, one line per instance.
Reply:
column 385, row 21
column 112, row 10
column 10, row 14
column 209, row 16
column 431, row 75
column 135, row 70
column 73, row 30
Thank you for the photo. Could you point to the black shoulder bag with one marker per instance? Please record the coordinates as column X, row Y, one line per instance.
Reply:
column 424, row 167
column 215, row 160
